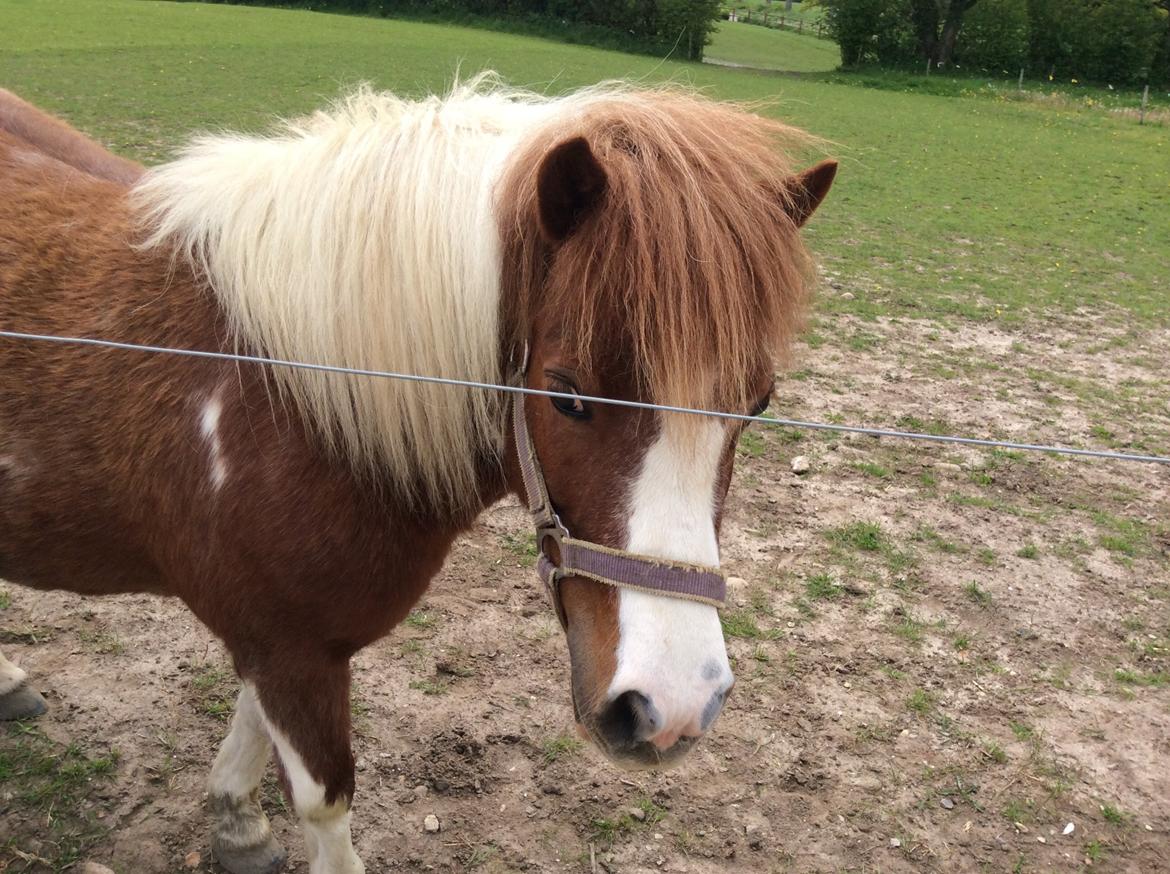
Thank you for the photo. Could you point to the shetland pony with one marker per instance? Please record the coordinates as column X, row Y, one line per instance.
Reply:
column 613, row 242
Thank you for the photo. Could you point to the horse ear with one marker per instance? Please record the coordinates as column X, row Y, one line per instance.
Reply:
column 804, row 192
column 569, row 185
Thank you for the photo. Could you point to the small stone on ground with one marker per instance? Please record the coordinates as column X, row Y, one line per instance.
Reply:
column 431, row 823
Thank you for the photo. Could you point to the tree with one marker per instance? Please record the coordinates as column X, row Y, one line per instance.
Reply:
column 871, row 31
column 995, row 36
column 937, row 24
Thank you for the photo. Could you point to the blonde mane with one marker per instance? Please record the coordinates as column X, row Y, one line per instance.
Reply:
column 375, row 235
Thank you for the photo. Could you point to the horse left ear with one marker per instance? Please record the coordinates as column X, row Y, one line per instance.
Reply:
column 569, row 185
column 804, row 192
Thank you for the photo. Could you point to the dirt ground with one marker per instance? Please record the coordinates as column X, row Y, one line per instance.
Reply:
column 948, row 659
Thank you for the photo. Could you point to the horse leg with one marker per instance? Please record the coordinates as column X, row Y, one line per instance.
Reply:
column 241, row 837
column 306, row 710
column 17, row 699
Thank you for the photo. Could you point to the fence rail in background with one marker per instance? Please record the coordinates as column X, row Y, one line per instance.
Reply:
column 777, row 21
column 616, row 402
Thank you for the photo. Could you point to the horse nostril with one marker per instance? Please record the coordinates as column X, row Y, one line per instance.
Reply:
column 714, row 708
column 630, row 718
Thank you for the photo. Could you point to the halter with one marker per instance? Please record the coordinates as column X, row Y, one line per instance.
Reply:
column 580, row 558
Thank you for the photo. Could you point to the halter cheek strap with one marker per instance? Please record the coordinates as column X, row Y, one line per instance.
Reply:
column 580, row 558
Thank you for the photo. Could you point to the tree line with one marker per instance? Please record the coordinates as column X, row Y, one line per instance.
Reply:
column 1107, row 41
column 683, row 27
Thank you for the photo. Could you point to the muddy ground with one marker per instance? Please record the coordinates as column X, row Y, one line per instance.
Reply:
column 946, row 657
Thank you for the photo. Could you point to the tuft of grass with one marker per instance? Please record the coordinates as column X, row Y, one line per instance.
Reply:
column 5, row 599
column 869, row 468
column 1028, row 551
column 421, row 619
column 522, row 546
column 27, row 634
column 978, row 595
column 751, row 444
column 920, row 702
column 923, row 426
column 961, row 642
column 478, row 856
column 994, row 752
column 1023, row 731
column 1137, row 678
column 430, row 687
column 987, row 556
column 102, row 642
column 910, row 629
column 215, row 690
column 1127, row 537
column 741, row 624
column 865, row 536
column 822, row 587
column 559, row 747
column 605, row 831
column 926, row 534
column 56, row 781
column 1113, row 815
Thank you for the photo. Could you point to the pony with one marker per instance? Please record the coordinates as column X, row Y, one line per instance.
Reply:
column 637, row 244
column 58, row 140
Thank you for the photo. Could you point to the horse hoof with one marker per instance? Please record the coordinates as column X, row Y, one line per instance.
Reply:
column 265, row 858
column 22, row 702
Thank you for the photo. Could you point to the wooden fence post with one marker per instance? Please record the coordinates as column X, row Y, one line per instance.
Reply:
column 1020, row 86
column 1145, row 98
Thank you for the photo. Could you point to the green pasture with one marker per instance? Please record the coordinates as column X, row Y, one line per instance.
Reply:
column 767, row 48
column 946, row 206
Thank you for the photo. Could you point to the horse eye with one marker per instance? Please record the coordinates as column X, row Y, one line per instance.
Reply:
column 573, row 407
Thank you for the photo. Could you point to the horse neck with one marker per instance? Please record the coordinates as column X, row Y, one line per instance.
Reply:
column 395, row 267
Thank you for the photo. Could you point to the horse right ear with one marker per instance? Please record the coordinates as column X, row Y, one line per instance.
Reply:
column 569, row 185
column 804, row 192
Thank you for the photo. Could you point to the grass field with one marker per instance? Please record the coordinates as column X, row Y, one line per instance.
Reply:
column 768, row 49
column 988, row 209
column 943, row 653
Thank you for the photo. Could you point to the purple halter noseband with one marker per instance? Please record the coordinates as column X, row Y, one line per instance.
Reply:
column 612, row 567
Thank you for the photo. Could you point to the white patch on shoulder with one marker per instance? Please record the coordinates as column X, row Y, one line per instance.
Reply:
column 209, row 428
column 672, row 650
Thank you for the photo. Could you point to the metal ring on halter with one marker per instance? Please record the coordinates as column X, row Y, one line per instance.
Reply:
column 580, row 558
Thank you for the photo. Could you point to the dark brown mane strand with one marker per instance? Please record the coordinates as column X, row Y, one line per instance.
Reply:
column 691, row 257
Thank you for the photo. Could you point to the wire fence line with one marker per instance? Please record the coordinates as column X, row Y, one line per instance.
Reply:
column 617, row 402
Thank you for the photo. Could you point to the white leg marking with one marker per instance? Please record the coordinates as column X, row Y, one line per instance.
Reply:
column 240, row 830
column 11, row 677
column 243, row 755
column 672, row 650
column 209, row 427
column 327, row 838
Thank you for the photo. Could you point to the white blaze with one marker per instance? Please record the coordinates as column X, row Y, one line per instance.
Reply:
column 671, row 650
